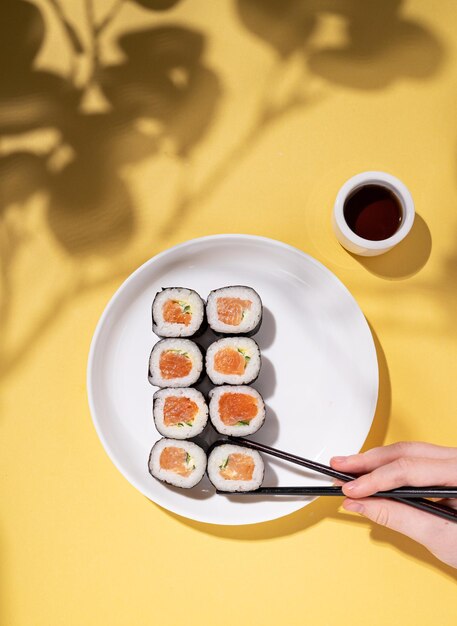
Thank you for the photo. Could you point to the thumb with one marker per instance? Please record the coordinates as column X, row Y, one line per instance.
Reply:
column 413, row 523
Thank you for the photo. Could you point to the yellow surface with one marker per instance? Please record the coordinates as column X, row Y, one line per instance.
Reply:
column 254, row 133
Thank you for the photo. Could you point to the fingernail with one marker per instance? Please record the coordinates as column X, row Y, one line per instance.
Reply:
column 350, row 487
column 339, row 459
column 356, row 507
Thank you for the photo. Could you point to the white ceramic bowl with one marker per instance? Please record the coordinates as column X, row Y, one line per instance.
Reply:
column 366, row 247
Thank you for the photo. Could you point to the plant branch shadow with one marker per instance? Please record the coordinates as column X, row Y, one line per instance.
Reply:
column 161, row 97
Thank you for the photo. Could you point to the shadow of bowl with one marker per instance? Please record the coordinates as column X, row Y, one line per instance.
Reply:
column 406, row 259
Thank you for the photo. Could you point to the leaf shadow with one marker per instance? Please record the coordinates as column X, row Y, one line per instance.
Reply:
column 379, row 44
column 161, row 97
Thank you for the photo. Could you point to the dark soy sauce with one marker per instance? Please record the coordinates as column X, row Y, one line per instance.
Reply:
column 373, row 212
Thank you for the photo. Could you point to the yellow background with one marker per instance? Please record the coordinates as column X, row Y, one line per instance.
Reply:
column 275, row 117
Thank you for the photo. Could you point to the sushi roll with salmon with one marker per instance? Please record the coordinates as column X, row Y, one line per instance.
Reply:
column 178, row 463
column 233, row 361
column 235, row 310
column 179, row 413
column 178, row 312
column 236, row 411
column 235, row 468
column 175, row 363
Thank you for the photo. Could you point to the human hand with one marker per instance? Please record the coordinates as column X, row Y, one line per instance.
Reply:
column 400, row 464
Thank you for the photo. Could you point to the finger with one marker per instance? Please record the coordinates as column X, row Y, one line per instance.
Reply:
column 416, row 472
column 370, row 460
column 413, row 523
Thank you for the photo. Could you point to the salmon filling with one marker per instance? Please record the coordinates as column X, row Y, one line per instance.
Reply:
column 237, row 466
column 230, row 361
column 231, row 311
column 176, row 312
column 175, row 364
column 237, row 408
column 179, row 411
column 176, row 460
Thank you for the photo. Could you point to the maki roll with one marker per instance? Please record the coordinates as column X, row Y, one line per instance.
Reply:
column 233, row 361
column 236, row 411
column 178, row 463
column 179, row 413
column 178, row 312
column 234, row 310
column 175, row 363
column 235, row 468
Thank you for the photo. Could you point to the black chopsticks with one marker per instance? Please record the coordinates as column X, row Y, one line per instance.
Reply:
column 412, row 496
column 404, row 492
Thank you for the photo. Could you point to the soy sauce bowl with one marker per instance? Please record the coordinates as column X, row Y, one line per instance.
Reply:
column 367, row 247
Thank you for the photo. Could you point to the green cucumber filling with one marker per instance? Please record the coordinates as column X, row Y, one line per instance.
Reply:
column 224, row 464
column 182, row 352
column 185, row 306
column 247, row 358
column 190, row 461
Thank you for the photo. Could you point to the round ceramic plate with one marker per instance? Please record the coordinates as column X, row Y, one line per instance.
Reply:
column 319, row 375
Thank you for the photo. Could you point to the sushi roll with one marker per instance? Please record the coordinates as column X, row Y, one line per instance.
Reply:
column 236, row 411
column 235, row 310
column 175, row 363
column 233, row 361
column 235, row 468
column 178, row 463
column 179, row 413
column 178, row 312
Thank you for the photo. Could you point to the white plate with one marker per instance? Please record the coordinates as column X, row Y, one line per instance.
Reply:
column 319, row 375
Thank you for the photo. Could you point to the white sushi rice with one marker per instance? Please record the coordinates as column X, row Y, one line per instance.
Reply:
column 247, row 347
column 218, row 457
column 196, row 459
column 180, row 430
column 187, row 298
column 239, row 429
column 251, row 316
column 185, row 346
